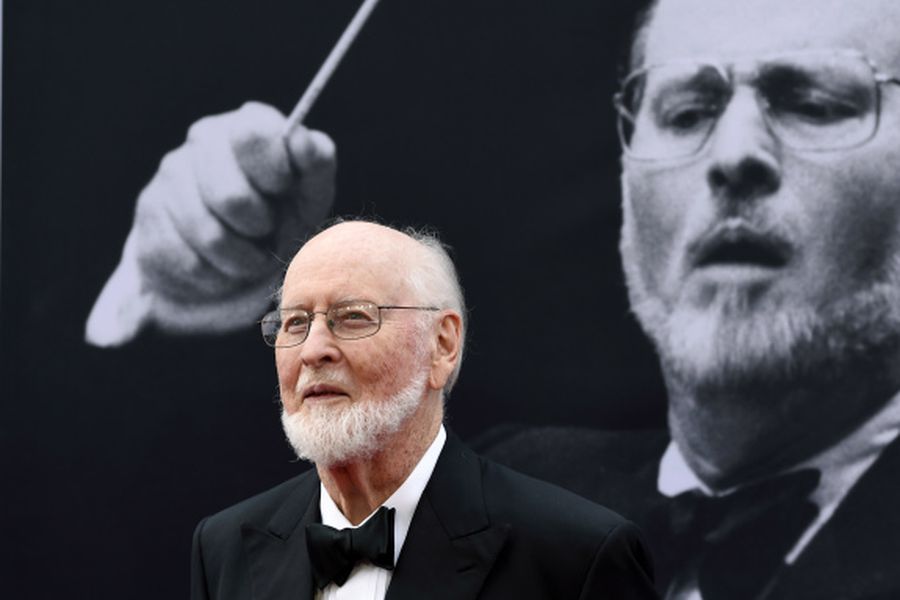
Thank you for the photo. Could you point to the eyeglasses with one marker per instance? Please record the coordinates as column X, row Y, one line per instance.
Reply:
column 812, row 101
column 350, row 320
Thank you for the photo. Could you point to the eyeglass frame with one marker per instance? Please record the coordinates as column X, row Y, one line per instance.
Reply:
column 329, row 323
column 879, row 78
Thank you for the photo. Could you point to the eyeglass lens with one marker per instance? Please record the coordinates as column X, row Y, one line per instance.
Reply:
column 811, row 102
column 346, row 320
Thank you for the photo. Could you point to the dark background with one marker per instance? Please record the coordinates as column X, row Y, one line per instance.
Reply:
column 488, row 119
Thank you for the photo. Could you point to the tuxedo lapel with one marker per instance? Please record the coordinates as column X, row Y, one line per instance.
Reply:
column 451, row 545
column 276, row 551
column 855, row 553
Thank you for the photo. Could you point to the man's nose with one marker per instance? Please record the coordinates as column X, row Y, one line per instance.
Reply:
column 320, row 345
column 745, row 162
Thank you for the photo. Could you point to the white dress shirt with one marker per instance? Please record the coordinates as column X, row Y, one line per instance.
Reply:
column 366, row 581
column 841, row 465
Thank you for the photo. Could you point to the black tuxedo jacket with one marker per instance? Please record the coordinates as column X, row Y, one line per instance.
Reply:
column 856, row 555
column 480, row 531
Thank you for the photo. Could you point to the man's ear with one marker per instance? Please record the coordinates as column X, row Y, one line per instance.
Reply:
column 445, row 355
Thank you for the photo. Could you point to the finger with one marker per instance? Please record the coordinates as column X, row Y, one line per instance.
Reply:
column 213, row 245
column 314, row 155
column 222, row 182
column 256, row 138
column 168, row 264
column 231, row 311
column 299, row 168
column 301, row 191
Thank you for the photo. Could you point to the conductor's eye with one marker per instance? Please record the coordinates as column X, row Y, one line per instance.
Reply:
column 295, row 324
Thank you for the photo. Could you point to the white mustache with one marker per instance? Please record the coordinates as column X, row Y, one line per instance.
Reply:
column 310, row 378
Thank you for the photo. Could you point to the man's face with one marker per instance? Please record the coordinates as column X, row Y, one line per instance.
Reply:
column 342, row 397
column 751, row 259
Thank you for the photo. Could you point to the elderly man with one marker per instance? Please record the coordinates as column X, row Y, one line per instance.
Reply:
column 760, row 245
column 368, row 340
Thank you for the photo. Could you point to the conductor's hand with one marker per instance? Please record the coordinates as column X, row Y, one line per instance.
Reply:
column 214, row 226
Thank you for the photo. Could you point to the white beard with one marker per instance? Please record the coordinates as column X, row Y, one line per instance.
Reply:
column 334, row 434
column 734, row 344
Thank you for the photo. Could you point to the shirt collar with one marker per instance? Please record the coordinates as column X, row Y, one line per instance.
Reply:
column 404, row 500
column 675, row 476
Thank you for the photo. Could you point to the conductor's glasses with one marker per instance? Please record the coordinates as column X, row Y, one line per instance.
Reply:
column 813, row 101
column 349, row 320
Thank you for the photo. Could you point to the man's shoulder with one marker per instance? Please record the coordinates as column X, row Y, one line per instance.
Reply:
column 575, row 535
column 260, row 509
column 614, row 468
column 517, row 442
column 519, row 499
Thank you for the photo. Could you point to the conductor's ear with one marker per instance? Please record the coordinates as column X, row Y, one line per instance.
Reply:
column 446, row 350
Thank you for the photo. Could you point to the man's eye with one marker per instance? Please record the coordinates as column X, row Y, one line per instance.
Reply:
column 295, row 324
column 816, row 105
column 685, row 117
column 355, row 318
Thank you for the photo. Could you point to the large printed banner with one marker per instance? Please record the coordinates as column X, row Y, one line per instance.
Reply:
column 492, row 122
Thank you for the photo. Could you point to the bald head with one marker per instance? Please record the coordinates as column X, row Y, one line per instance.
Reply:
column 346, row 251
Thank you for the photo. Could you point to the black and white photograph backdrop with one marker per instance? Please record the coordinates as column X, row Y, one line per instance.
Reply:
column 492, row 122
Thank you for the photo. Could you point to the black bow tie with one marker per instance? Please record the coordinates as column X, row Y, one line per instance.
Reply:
column 732, row 546
column 333, row 552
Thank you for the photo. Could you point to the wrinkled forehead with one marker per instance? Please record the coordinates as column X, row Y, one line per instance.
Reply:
column 348, row 263
column 728, row 29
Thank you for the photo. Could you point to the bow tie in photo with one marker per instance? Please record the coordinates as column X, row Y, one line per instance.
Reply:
column 733, row 545
column 334, row 552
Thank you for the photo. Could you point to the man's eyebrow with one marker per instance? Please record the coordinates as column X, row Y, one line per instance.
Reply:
column 349, row 299
column 781, row 74
column 774, row 72
column 300, row 306
column 706, row 74
column 685, row 83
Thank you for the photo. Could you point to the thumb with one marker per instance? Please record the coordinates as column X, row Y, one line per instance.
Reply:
column 122, row 309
